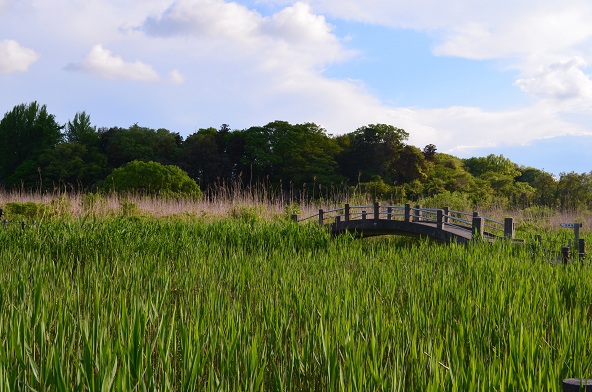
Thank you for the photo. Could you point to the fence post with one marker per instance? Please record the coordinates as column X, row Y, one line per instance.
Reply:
column 363, row 215
column 347, row 212
column 295, row 217
column 389, row 213
column 417, row 217
column 577, row 385
column 509, row 228
column 565, row 254
column 446, row 214
column 440, row 219
column 376, row 210
column 582, row 248
column 321, row 217
column 478, row 226
column 407, row 212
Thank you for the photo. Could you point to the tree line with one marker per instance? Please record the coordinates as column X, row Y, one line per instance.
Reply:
column 38, row 153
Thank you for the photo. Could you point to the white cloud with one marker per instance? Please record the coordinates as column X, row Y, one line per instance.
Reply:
column 559, row 81
column 177, row 77
column 292, row 38
column 102, row 62
column 16, row 58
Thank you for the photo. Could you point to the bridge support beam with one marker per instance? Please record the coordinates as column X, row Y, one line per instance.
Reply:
column 478, row 226
column 509, row 228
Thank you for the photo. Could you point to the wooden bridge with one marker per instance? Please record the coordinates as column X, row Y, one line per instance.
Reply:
column 440, row 224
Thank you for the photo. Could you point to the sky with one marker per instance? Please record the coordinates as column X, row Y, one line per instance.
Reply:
column 472, row 77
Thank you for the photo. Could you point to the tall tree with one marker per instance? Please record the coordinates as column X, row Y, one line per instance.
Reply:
column 371, row 151
column 26, row 132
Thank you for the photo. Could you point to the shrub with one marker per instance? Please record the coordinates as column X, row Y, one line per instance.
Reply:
column 153, row 179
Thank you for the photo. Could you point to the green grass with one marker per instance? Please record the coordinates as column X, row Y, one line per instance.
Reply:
column 242, row 304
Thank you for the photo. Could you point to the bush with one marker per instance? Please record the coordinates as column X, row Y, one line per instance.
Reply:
column 29, row 210
column 152, row 179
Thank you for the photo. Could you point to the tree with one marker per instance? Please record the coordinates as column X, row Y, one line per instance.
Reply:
column 26, row 132
column 153, row 179
column 297, row 154
column 81, row 131
column 202, row 155
column 139, row 143
column 371, row 151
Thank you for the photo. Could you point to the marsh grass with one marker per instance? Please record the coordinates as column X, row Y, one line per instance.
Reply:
column 235, row 303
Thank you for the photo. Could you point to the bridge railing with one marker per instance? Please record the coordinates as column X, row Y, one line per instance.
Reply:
column 442, row 217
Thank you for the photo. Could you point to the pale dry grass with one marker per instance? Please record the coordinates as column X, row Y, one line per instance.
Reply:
column 235, row 202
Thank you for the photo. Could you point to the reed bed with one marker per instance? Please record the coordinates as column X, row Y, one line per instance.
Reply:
column 184, row 304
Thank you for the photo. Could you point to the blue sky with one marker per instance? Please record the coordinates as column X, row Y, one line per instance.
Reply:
column 472, row 77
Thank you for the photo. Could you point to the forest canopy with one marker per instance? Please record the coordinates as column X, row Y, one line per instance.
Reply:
column 302, row 160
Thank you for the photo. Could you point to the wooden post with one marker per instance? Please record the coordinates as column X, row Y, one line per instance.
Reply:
column 337, row 219
column 440, row 219
column 389, row 213
column 582, row 248
column 347, row 212
column 321, row 217
column 577, row 385
column 376, row 210
column 363, row 215
column 417, row 217
column 407, row 212
column 509, row 228
column 565, row 254
column 577, row 234
column 478, row 226
column 446, row 214
column 295, row 217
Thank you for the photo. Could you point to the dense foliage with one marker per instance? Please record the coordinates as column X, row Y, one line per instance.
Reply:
column 153, row 179
column 300, row 159
column 144, row 304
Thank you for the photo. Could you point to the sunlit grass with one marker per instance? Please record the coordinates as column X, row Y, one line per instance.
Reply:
column 139, row 303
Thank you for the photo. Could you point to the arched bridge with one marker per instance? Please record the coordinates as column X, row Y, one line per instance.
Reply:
column 441, row 224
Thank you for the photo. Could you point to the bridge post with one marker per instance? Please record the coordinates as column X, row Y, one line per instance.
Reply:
column 347, row 212
column 407, row 212
column 389, row 213
column 417, row 217
column 321, row 218
column 478, row 226
column 363, row 215
column 446, row 214
column 440, row 219
column 295, row 217
column 509, row 228
column 376, row 210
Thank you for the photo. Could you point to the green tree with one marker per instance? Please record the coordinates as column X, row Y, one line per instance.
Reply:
column 370, row 151
column 204, row 158
column 81, row 131
column 26, row 132
column 154, row 179
column 297, row 154
column 122, row 145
